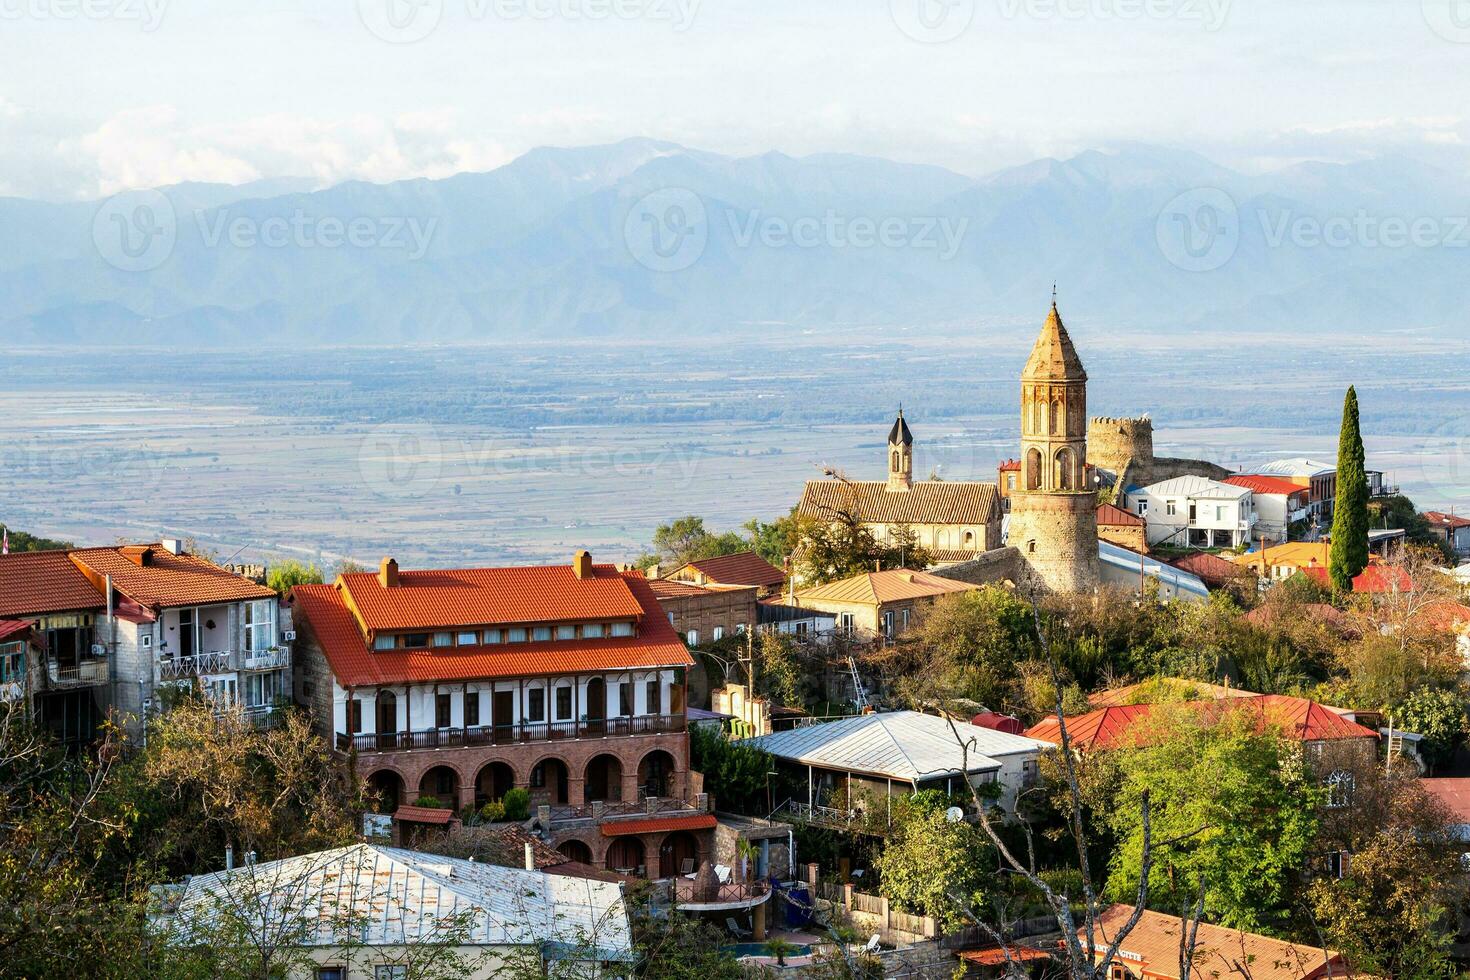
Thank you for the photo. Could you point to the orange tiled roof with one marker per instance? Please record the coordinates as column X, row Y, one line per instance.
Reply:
column 447, row 598
column 667, row 588
column 1113, row 514
column 1373, row 579
column 1451, row 521
column 1265, row 484
column 996, row 956
column 1109, row 727
column 926, row 502
column 165, row 579
column 1153, row 949
column 743, row 568
column 1103, row 728
column 323, row 611
column 620, row 828
column 34, row 583
column 424, row 814
column 894, row 585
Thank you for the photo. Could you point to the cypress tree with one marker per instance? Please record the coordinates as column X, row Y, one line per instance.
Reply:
column 1350, row 512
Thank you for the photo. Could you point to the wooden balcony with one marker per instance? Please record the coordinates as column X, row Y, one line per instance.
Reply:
column 513, row 734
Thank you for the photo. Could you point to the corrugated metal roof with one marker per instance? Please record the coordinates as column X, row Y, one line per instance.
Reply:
column 1298, row 466
column 926, row 502
column 903, row 745
column 1128, row 560
column 1196, row 486
column 389, row 895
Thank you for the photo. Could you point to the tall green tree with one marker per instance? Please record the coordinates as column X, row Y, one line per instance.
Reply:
column 286, row 575
column 1350, row 512
column 686, row 539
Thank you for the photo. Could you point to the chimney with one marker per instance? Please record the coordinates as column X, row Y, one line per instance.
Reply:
column 388, row 573
column 229, row 857
column 582, row 564
column 173, row 546
column 531, row 851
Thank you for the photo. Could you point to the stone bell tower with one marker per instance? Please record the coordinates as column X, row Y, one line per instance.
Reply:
column 1054, row 510
column 900, row 456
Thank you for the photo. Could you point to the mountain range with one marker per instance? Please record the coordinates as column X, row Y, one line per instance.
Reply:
column 651, row 240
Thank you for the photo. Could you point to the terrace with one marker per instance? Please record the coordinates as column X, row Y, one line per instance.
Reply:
column 511, row 734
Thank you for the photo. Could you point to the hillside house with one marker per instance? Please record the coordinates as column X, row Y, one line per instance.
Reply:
column 882, row 604
column 1195, row 512
column 1452, row 529
column 1279, row 503
column 745, row 569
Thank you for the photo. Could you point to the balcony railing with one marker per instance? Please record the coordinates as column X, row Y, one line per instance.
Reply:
column 685, row 891
column 604, row 809
column 85, row 674
column 441, row 738
column 266, row 659
column 176, row 668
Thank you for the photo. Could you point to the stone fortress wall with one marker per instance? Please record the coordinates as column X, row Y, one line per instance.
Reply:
column 1125, row 446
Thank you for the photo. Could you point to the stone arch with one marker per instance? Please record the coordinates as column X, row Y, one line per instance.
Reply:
column 603, row 779
column 443, row 782
column 387, row 785
column 575, row 850
column 548, row 781
column 1066, row 469
column 493, row 781
column 627, row 854
column 656, row 773
column 1033, row 469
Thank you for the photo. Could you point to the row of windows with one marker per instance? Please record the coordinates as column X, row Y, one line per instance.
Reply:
column 492, row 637
column 535, row 706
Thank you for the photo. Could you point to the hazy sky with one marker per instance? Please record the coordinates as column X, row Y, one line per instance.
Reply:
column 96, row 95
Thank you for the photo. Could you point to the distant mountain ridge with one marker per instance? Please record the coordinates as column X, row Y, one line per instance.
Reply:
column 649, row 239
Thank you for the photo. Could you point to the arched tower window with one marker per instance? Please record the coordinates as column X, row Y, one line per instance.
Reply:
column 1066, row 470
column 1056, row 418
column 1033, row 469
column 896, row 465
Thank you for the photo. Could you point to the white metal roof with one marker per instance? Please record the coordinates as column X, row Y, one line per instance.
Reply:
column 388, row 896
column 1127, row 561
column 1298, row 466
column 903, row 745
column 1196, row 486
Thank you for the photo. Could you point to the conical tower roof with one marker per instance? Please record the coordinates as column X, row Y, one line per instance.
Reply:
column 900, row 433
column 1054, row 358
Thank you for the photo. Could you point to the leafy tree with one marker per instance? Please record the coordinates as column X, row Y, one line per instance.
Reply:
column 935, row 866
column 1350, row 512
column 778, row 674
column 286, row 575
column 838, row 544
column 734, row 771
column 517, row 803
column 21, row 541
column 1234, row 813
column 1439, row 716
column 686, row 539
column 776, row 540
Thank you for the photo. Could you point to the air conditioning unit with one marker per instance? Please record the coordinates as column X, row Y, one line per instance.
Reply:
column 288, row 635
column 98, row 650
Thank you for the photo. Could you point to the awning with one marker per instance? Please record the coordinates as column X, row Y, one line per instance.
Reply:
column 653, row 825
column 423, row 814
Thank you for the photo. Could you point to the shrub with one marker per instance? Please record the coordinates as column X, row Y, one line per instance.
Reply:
column 492, row 812
column 516, row 804
column 431, row 802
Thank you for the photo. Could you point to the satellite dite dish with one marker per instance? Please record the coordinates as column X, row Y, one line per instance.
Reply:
column 954, row 814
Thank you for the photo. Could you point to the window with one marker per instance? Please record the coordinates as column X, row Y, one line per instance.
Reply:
column 471, row 709
column 655, row 699
column 541, row 633
column 467, row 639
column 390, row 973
column 1339, row 789
column 888, row 623
column 331, row 973
column 441, row 710
column 494, row 636
column 516, row 634
column 383, row 642
column 146, row 640
column 1219, row 513
column 262, row 689
column 566, row 632
column 536, row 709
column 1171, row 508
column 188, row 633
column 354, row 716
column 260, row 625
column 1143, row 507
column 1336, row 863
column 802, row 627
column 592, row 631
column 563, row 704
column 692, row 638
column 443, row 639
column 625, row 698
column 903, row 619
column 626, row 629
column 845, row 621
column 719, row 633
column 739, row 629
column 12, row 662
column 414, row 640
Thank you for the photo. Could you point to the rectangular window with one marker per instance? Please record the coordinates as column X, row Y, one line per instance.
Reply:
column 845, row 620
column 516, row 634
column 1170, row 508
column 626, row 629
column 390, row 973
column 801, row 628
column 1143, row 507
column 472, row 709
column 655, row 698
column 384, row 641
column 331, row 973
column 441, row 710
column 415, row 640
column 904, row 620
column 354, row 716
column 188, row 633
column 592, row 631
column 536, row 711
column 467, row 639
column 493, row 636
column 566, row 632
column 260, row 625
column 888, row 623
column 692, row 638
column 625, row 699
column 262, row 689
column 1219, row 513
column 541, row 633
column 563, row 704
column 146, row 640
column 443, row 639
column 719, row 633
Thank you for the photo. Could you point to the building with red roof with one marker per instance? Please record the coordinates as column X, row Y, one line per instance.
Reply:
column 1373, row 580
column 568, row 681
column 740, row 570
column 1126, row 530
column 1279, row 502
column 1452, row 529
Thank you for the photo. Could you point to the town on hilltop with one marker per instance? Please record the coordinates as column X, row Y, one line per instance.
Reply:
column 1113, row 715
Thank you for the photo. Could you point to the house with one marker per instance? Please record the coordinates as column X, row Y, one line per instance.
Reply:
column 461, row 684
column 1452, row 529
column 953, row 520
column 366, row 910
column 1122, row 568
column 1279, row 563
column 1152, row 949
column 740, row 570
column 1280, row 502
column 17, row 662
column 1195, row 512
column 1166, row 689
column 860, row 763
column 1116, row 526
column 116, row 626
column 705, row 614
column 1320, row 479
column 778, row 614
column 879, row 603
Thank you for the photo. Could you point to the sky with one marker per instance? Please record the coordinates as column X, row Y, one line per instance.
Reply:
column 101, row 95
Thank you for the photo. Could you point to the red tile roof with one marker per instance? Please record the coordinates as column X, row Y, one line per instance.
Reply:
column 743, row 568
column 165, row 579
column 667, row 588
column 1010, row 466
column 1265, row 484
column 1453, row 792
column 1213, row 570
column 322, row 610
column 33, row 583
column 1445, row 615
column 995, row 956
column 1103, row 728
column 1110, row 727
column 1374, row 579
column 447, row 598
column 621, row 828
column 1114, row 515
column 1451, row 521
column 423, row 814
column 13, row 628
column 1153, row 946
